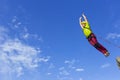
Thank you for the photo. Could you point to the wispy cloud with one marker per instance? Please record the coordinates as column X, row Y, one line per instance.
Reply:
column 49, row 73
column 71, row 65
column 24, row 33
column 105, row 65
column 15, row 55
column 113, row 36
column 63, row 71
column 64, row 78
column 79, row 69
column 66, row 71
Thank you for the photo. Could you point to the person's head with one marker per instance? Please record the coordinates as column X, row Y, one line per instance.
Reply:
column 83, row 24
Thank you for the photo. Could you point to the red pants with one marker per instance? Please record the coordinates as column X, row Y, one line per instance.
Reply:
column 93, row 41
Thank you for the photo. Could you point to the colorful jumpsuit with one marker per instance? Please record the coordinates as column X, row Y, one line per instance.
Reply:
column 92, row 39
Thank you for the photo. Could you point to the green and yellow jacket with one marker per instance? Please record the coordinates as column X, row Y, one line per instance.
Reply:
column 86, row 30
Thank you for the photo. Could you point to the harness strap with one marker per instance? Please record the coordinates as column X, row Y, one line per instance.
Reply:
column 90, row 36
column 96, row 45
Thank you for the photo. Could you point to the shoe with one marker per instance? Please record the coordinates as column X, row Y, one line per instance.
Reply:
column 107, row 54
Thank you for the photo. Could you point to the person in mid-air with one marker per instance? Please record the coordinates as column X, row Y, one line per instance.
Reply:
column 91, row 36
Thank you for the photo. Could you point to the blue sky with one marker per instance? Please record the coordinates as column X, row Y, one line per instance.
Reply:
column 42, row 40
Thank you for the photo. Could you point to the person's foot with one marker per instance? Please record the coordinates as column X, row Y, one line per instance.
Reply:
column 107, row 54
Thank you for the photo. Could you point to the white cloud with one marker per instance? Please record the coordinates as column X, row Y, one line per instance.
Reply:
column 19, row 71
column 63, row 71
column 79, row 69
column 26, row 35
column 44, row 59
column 70, row 63
column 21, row 30
column 105, row 65
column 66, row 62
column 16, row 56
column 64, row 78
column 15, row 23
column 49, row 73
column 113, row 36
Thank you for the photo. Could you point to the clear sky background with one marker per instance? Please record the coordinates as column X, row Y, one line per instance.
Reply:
column 42, row 40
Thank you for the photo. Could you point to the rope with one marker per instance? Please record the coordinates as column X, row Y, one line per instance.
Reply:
column 109, row 42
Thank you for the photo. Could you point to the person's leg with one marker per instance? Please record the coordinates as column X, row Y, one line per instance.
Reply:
column 93, row 41
column 100, row 48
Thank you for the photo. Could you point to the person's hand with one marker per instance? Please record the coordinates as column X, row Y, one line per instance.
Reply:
column 84, row 17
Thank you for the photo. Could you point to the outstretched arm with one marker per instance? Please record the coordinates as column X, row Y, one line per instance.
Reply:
column 84, row 17
column 80, row 20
